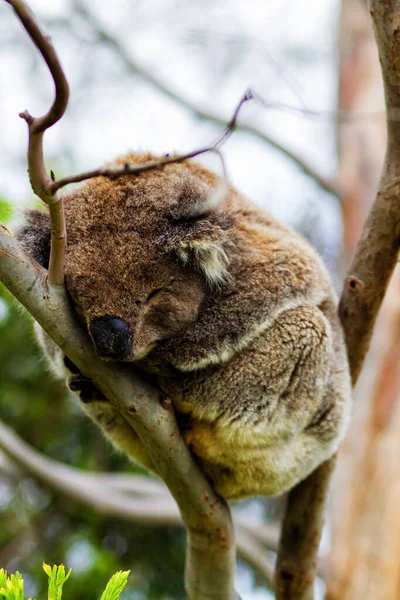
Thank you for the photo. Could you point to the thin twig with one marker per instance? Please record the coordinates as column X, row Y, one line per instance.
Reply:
column 335, row 116
column 37, row 126
column 330, row 185
column 135, row 169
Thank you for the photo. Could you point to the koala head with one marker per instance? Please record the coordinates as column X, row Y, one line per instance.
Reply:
column 143, row 253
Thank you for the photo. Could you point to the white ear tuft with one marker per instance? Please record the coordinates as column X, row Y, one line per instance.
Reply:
column 212, row 259
column 183, row 254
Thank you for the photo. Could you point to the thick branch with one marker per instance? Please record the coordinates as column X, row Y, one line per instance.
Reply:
column 300, row 536
column 377, row 252
column 147, row 501
column 327, row 184
column 365, row 286
column 211, row 547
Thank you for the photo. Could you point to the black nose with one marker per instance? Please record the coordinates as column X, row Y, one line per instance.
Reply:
column 111, row 337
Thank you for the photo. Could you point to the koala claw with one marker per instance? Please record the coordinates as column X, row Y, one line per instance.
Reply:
column 88, row 392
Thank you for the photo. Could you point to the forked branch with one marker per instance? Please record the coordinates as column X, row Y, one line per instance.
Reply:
column 44, row 185
column 37, row 126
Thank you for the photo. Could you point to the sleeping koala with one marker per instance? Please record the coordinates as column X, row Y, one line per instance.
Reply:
column 229, row 312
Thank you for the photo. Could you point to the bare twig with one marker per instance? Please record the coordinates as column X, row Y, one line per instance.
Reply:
column 328, row 184
column 37, row 126
column 128, row 169
column 364, row 288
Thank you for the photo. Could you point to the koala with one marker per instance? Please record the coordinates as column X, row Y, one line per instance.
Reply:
column 230, row 313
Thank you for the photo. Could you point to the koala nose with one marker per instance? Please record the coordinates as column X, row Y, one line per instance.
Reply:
column 111, row 337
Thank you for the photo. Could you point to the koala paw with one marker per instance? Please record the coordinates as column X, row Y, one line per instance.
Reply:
column 70, row 366
column 87, row 391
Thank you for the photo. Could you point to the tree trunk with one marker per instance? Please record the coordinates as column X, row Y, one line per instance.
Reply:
column 366, row 493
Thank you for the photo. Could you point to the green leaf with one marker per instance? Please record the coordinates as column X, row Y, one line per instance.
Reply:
column 57, row 577
column 11, row 588
column 3, row 578
column 115, row 586
column 47, row 569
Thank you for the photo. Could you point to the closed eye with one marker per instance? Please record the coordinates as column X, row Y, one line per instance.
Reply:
column 153, row 294
column 167, row 290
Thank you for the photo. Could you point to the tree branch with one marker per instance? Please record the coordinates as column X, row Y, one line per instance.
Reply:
column 129, row 169
column 330, row 185
column 377, row 252
column 364, row 289
column 302, row 525
column 138, row 499
column 82, row 487
column 40, row 181
column 211, row 547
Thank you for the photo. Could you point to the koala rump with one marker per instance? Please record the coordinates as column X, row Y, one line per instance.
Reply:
column 232, row 312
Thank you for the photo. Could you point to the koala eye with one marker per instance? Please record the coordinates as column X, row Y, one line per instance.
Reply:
column 168, row 289
column 153, row 294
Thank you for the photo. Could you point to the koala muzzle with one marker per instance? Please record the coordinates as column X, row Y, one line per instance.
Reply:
column 111, row 337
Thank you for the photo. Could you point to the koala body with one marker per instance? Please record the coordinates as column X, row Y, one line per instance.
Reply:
column 228, row 311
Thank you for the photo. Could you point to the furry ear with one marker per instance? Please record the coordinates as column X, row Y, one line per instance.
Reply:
column 198, row 228
column 35, row 236
column 205, row 243
column 197, row 199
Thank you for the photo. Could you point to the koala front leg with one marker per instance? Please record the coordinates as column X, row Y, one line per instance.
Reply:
column 282, row 408
column 108, row 418
column 94, row 403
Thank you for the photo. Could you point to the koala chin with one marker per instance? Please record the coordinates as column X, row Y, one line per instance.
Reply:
column 231, row 313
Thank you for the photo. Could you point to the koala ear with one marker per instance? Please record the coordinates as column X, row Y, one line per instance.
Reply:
column 35, row 236
column 204, row 242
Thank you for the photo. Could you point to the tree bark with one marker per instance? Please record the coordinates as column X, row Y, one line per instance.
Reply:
column 366, row 526
column 364, row 288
